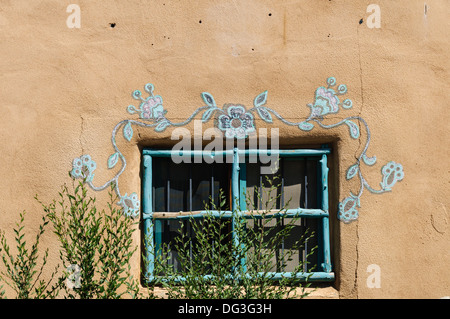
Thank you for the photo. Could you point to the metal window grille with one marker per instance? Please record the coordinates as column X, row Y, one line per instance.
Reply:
column 179, row 192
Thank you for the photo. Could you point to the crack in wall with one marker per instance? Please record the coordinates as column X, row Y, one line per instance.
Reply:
column 361, row 87
column 355, row 282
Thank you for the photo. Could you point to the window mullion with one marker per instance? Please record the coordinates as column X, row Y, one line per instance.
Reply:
column 304, row 220
column 326, row 264
column 147, row 203
column 237, row 211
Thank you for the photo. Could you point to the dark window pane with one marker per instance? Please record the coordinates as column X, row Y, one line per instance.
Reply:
column 293, row 185
column 188, row 232
column 289, row 243
column 188, row 186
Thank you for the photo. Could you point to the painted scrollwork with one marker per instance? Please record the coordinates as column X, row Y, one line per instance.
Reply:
column 238, row 122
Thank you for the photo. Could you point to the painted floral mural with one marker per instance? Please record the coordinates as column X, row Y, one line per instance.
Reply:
column 238, row 122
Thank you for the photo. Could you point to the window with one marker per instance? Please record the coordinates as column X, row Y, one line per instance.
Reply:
column 174, row 193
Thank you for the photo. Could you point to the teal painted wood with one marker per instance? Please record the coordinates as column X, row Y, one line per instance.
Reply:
column 304, row 276
column 292, row 212
column 326, row 262
column 169, row 153
column 284, row 153
column 319, row 192
column 147, row 215
column 153, row 229
column 235, row 196
column 235, row 180
column 197, row 215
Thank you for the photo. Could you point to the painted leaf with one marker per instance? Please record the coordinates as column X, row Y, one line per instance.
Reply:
column 208, row 113
column 113, row 159
column 260, row 99
column 369, row 160
column 264, row 114
column 352, row 170
column 347, row 209
column 354, row 129
column 306, row 126
column 208, row 99
column 392, row 173
column 128, row 131
column 161, row 126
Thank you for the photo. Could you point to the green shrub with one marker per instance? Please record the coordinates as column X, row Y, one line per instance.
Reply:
column 213, row 265
column 22, row 272
column 98, row 243
column 96, row 248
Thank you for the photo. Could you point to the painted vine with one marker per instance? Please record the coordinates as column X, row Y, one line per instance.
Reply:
column 238, row 122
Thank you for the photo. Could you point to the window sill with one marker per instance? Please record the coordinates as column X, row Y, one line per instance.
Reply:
column 314, row 293
column 322, row 293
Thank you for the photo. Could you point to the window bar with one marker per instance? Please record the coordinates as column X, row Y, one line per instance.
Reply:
column 304, row 220
column 190, row 188
column 326, row 265
column 212, row 186
column 189, row 231
column 282, row 181
column 282, row 203
column 235, row 194
column 168, row 195
column 260, row 192
column 160, row 226
column 260, row 197
column 212, row 204
column 242, row 187
column 147, row 216
column 153, row 200
column 243, row 203
column 188, row 222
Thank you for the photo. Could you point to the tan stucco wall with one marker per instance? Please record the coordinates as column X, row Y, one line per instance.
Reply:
column 63, row 90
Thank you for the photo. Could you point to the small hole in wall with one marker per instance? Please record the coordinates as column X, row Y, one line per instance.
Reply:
column 199, row 21
column 361, row 21
column 270, row 14
column 112, row 25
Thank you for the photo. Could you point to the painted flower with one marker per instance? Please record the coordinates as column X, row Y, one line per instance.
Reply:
column 326, row 101
column 130, row 204
column 83, row 167
column 347, row 209
column 152, row 108
column 237, row 122
column 392, row 173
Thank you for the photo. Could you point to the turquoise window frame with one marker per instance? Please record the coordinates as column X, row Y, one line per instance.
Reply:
column 152, row 227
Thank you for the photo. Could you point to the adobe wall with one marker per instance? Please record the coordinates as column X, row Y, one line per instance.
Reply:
column 63, row 90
